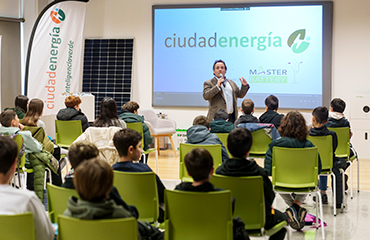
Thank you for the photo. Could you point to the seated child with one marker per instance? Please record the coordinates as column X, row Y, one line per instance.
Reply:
column 220, row 123
column 293, row 133
column 247, row 110
column 199, row 134
column 271, row 115
column 128, row 145
column 319, row 119
column 239, row 143
column 82, row 151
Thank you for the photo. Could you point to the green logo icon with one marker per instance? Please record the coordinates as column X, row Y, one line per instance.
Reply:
column 296, row 43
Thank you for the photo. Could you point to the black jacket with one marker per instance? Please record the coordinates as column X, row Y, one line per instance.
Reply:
column 68, row 114
column 271, row 117
column 249, row 118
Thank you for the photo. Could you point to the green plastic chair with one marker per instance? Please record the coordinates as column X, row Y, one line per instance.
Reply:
column 22, row 177
column 138, row 127
column 296, row 170
column 324, row 146
column 57, row 200
column 249, row 202
column 223, row 139
column 214, row 150
column 343, row 151
column 17, row 227
column 260, row 144
column 66, row 132
column 77, row 229
column 139, row 189
column 192, row 215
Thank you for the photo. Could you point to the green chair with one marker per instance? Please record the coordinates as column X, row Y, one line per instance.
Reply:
column 249, row 198
column 138, row 127
column 223, row 139
column 77, row 229
column 343, row 151
column 214, row 150
column 296, row 170
column 139, row 189
column 260, row 144
column 17, row 227
column 324, row 146
column 57, row 200
column 21, row 170
column 193, row 215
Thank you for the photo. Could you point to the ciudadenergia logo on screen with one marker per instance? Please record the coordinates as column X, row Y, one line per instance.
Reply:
column 57, row 16
column 261, row 43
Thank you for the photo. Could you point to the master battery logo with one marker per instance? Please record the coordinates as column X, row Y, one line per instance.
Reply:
column 296, row 41
column 57, row 16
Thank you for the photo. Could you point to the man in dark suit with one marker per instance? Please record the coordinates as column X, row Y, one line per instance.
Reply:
column 222, row 92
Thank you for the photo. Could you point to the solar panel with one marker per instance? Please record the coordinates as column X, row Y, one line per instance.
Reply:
column 107, row 70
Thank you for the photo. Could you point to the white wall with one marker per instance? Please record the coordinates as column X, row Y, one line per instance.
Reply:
column 117, row 18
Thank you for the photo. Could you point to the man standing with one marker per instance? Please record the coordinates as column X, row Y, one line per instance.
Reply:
column 222, row 92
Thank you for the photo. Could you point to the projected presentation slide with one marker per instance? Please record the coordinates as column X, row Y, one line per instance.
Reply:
column 277, row 49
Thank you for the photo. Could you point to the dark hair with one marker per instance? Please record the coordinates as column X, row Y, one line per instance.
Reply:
column 80, row 151
column 320, row 114
column 72, row 101
column 272, row 102
column 247, row 106
column 338, row 105
column 7, row 117
column 221, row 114
column 221, row 61
column 125, row 138
column 239, row 142
column 8, row 153
column 93, row 180
column 131, row 106
column 199, row 163
column 201, row 120
column 35, row 109
column 108, row 112
column 293, row 125
column 21, row 102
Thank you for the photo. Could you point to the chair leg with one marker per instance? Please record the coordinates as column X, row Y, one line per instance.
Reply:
column 343, row 186
column 351, row 171
column 322, row 218
column 157, row 144
column 156, row 155
column 358, row 174
column 172, row 145
column 334, row 194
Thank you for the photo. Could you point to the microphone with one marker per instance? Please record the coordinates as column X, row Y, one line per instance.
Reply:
column 221, row 76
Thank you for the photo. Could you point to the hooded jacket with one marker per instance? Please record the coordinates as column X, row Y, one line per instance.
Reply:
column 337, row 119
column 18, row 111
column 271, row 116
column 287, row 143
column 199, row 134
column 247, row 118
column 221, row 126
column 68, row 114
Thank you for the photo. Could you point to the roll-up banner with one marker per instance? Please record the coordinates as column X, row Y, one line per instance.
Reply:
column 54, row 52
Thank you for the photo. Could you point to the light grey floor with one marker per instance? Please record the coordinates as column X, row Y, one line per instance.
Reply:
column 351, row 223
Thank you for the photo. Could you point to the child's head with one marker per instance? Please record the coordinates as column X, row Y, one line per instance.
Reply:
column 201, row 120
column 239, row 142
column 131, row 107
column 93, row 180
column 338, row 105
column 80, row 151
column 199, row 164
column 128, row 143
column 247, row 106
column 293, row 125
column 272, row 103
column 9, row 118
column 320, row 115
column 221, row 114
column 8, row 154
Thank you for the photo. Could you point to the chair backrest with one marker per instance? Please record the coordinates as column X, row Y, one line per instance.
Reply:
column 139, row 189
column 138, row 127
column 57, row 200
column 214, row 150
column 150, row 116
column 193, row 215
column 66, row 132
column 324, row 146
column 260, row 143
column 294, row 167
column 223, row 139
column 17, row 227
column 249, row 198
column 343, row 135
column 76, row 229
